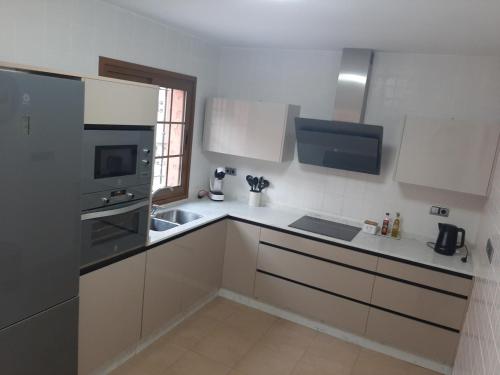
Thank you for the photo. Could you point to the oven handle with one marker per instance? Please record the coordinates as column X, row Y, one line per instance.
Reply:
column 117, row 211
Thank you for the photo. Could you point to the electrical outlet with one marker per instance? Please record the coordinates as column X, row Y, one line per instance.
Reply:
column 440, row 211
column 230, row 171
column 489, row 250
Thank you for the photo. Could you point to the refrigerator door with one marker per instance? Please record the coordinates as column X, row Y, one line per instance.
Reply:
column 43, row 344
column 41, row 124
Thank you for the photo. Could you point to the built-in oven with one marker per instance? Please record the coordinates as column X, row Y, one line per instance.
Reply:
column 113, row 223
column 116, row 157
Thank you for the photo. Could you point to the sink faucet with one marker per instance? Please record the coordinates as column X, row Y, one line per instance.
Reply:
column 154, row 209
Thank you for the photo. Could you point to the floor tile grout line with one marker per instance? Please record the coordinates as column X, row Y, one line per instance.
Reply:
column 358, row 355
column 197, row 313
column 288, row 332
column 300, row 359
column 253, row 346
column 316, row 334
column 232, row 367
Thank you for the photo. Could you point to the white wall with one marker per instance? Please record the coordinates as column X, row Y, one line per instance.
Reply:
column 70, row 35
column 433, row 85
column 479, row 349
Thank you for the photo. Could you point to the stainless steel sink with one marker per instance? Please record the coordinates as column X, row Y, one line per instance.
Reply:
column 177, row 216
column 160, row 225
column 165, row 220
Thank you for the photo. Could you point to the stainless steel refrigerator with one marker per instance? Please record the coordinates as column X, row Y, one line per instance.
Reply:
column 41, row 123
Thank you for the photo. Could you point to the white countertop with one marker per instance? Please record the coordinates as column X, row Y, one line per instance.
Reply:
column 410, row 249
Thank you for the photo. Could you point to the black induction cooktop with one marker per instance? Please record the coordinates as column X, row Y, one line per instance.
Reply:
column 326, row 228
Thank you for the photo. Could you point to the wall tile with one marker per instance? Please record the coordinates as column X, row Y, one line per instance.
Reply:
column 432, row 85
column 481, row 355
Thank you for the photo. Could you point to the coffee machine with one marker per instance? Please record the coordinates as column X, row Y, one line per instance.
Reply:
column 447, row 241
column 216, row 183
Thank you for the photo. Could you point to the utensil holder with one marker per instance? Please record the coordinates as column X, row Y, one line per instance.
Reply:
column 254, row 198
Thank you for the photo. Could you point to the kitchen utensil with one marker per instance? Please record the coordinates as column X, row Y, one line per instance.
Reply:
column 255, row 183
column 265, row 184
column 250, row 182
column 262, row 184
column 446, row 242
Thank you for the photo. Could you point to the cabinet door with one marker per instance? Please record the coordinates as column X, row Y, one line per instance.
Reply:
column 316, row 273
column 419, row 302
column 265, row 131
column 110, row 312
column 256, row 130
column 326, row 308
column 240, row 260
column 448, row 154
column 163, row 287
column 114, row 102
column 412, row 336
column 203, row 255
column 224, row 127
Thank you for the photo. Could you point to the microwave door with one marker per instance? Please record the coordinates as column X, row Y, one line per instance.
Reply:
column 116, row 159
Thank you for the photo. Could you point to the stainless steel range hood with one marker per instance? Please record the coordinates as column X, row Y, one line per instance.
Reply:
column 352, row 85
column 346, row 142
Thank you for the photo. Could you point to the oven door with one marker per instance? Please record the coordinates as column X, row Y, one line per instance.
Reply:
column 114, row 231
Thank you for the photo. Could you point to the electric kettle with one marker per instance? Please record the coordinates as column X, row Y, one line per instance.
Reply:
column 446, row 242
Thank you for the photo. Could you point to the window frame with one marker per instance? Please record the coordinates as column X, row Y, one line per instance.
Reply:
column 119, row 69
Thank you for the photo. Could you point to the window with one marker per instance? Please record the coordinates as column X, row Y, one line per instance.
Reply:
column 174, row 129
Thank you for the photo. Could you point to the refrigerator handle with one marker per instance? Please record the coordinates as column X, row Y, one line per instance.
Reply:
column 26, row 124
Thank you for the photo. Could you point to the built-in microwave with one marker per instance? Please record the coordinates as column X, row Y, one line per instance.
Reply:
column 116, row 157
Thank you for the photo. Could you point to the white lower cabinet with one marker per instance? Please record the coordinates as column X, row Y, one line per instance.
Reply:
column 202, row 263
column 149, row 290
column 313, row 304
column 163, row 287
column 181, row 274
column 409, row 307
column 412, row 336
column 110, row 312
column 240, row 260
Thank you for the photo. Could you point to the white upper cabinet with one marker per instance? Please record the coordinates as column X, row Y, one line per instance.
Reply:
column 258, row 130
column 448, row 154
column 117, row 102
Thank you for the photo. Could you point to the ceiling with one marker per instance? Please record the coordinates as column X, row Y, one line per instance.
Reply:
column 433, row 26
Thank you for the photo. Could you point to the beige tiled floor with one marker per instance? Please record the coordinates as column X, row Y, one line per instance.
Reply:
column 225, row 338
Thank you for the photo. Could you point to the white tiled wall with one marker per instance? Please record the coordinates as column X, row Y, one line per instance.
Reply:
column 70, row 35
column 432, row 85
column 479, row 349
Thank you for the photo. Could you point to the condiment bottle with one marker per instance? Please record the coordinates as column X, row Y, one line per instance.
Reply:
column 396, row 226
column 385, row 225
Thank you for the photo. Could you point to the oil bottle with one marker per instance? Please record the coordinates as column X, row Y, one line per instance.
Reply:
column 396, row 226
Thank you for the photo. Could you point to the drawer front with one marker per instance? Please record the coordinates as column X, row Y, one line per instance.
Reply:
column 328, row 309
column 317, row 273
column 418, row 302
column 412, row 336
column 435, row 279
column 323, row 250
